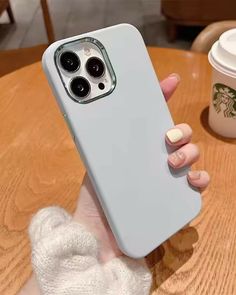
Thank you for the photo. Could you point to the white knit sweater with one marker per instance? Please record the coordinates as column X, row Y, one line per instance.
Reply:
column 65, row 260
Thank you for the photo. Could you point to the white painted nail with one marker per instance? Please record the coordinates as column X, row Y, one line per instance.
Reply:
column 174, row 135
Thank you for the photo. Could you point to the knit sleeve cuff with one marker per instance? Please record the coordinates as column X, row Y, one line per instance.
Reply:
column 65, row 260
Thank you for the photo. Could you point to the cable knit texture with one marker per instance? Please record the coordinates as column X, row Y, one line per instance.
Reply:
column 65, row 260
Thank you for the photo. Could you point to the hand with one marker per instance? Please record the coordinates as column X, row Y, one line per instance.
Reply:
column 89, row 211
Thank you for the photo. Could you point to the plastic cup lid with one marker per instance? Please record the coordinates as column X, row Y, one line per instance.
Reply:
column 223, row 52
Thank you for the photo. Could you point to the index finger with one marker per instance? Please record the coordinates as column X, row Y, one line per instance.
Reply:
column 169, row 84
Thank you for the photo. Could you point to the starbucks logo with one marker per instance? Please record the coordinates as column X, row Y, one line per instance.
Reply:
column 224, row 100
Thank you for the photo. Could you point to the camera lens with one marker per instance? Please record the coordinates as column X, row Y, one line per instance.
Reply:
column 80, row 87
column 95, row 67
column 69, row 61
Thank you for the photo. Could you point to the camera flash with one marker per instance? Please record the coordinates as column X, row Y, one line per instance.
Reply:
column 87, row 51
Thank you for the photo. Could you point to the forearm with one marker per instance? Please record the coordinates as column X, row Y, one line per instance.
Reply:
column 90, row 214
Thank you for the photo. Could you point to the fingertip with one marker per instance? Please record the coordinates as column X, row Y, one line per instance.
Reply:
column 169, row 85
column 199, row 179
column 178, row 135
column 174, row 135
column 176, row 76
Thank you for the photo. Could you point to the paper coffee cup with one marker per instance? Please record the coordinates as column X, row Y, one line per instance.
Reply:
column 222, row 111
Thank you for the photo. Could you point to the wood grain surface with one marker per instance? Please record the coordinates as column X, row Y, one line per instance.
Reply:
column 39, row 166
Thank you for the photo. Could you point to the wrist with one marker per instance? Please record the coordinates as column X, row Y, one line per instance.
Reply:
column 108, row 248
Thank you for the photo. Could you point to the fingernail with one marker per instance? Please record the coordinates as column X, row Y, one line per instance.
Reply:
column 194, row 175
column 174, row 135
column 175, row 75
column 177, row 158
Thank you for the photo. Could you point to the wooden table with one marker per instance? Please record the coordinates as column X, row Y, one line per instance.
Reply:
column 39, row 166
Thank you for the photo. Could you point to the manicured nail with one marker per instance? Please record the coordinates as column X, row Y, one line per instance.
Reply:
column 177, row 158
column 174, row 135
column 175, row 75
column 194, row 175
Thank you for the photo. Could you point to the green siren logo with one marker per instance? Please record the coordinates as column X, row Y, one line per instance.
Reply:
column 224, row 100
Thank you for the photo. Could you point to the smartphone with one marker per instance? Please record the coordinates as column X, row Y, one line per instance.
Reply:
column 110, row 97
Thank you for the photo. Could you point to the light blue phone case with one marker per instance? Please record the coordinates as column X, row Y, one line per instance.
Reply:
column 121, row 139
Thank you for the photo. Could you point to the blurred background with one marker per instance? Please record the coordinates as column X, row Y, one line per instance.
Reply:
column 160, row 21
column 163, row 23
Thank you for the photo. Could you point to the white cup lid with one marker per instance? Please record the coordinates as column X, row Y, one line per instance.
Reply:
column 223, row 52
